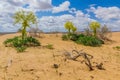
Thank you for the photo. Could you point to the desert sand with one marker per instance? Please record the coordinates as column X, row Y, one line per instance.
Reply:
column 36, row 63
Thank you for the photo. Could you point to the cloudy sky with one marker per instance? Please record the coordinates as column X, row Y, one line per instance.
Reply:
column 52, row 14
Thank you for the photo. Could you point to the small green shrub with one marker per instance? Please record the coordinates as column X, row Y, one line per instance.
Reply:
column 49, row 46
column 30, row 41
column 117, row 47
column 21, row 49
column 84, row 39
column 65, row 37
column 21, row 44
column 89, row 41
column 74, row 37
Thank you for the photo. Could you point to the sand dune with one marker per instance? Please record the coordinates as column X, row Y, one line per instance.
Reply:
column 36, row 63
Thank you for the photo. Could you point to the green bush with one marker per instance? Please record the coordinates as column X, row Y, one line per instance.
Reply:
column 117, row 47
column 89, row 41
column 49, row 46
column 65, row 37
column 74, row 37
column 21, row 49
column 21, row 44
column 30, row 41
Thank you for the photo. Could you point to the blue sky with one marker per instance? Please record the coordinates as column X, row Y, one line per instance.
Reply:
column 52, row 14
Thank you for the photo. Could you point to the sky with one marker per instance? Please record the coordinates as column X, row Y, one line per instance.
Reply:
column 53, row 14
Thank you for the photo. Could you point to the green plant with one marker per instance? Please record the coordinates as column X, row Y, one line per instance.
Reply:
column 117, row 47
column 64, row 37
column 21, row 49
column 49, row 46
column 30, row 41
column 74, row 37
column 73, row 29
column 70, row 27
column 21, row 44
column 89, row 41
column 24, row 18
column 94, row 26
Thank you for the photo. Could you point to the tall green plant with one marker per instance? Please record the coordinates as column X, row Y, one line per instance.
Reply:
column 70, row 27
column 25, row 19
column 74, row 29
column 94, row 26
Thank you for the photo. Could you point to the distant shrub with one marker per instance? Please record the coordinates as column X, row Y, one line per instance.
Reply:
column 35, row 32
column 21, row 44
column 104, row 33
column 87, row 32
column 117, row 47
column 49, row 46
column 94, row 26
column 65, row 37
column 89, row 41
column 30, row 41
column 74, row 37
column 21, row 49
column 84, row 39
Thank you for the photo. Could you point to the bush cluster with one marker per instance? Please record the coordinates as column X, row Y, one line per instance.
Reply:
column 89, row 40
column 84, row 39
column 21, row 44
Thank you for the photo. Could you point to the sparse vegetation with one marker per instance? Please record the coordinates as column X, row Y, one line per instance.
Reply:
column 25, row 19
column 71, row 29
column 94, row 26
column 21, row 44
column 35, row 32
column 49, row 46
column 87, row 32
column 64, row 37
column 104, row 32
column 86, row 39
column 89, row 41
column 117, row 47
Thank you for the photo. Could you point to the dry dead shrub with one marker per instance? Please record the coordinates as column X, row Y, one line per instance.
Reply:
column 35, row 32
column 104, row 33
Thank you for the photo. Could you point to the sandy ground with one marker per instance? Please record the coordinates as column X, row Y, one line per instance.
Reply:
column 36, row 63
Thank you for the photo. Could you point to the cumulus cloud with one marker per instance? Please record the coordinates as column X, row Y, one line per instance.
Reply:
column 56, row 23
column 62, row 7
column 107, row 15
column 39, row 4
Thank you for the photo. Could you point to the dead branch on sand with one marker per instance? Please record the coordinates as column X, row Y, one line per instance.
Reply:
column 87, row 58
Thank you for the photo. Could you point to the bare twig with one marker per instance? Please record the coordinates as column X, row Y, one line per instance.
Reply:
column 87, row 58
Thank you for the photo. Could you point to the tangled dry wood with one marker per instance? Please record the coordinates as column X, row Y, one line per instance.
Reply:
column 87, row 58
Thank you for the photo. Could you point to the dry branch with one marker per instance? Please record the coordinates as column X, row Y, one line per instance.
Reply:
column 87, row 58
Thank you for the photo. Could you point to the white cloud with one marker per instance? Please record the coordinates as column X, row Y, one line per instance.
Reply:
column 39, row 4
column 62, row 7
column 107, row 15
column 56, row 23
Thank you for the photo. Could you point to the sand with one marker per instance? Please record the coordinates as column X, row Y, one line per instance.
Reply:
column 36, row 63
